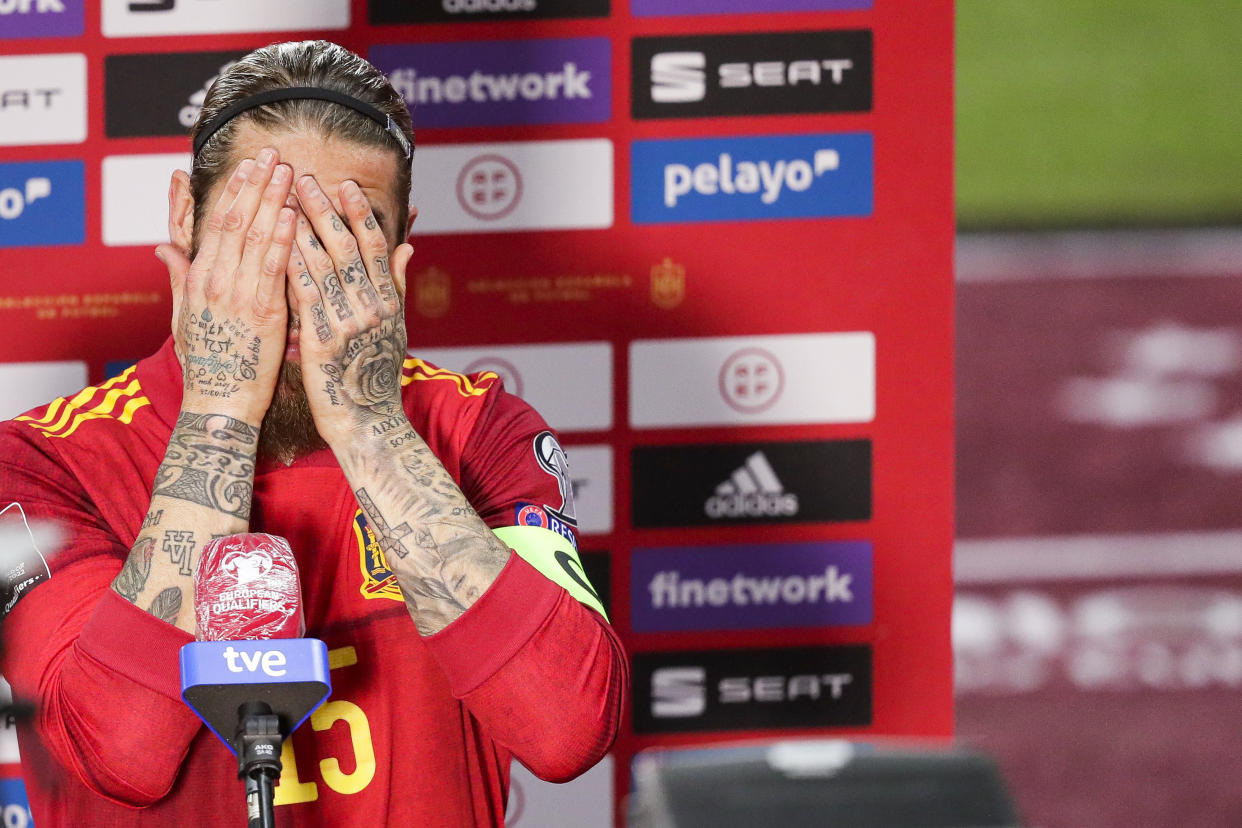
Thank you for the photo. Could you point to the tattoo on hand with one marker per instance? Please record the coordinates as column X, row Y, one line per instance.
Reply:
column 319, row 316
column 370, row 222
column 220, row 355
column 167, row 605
column 336, row 297
column 353, row 272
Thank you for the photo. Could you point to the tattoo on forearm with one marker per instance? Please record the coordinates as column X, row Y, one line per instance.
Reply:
column 390, row 539
column 132, row 578
column 167, row 605
column 179, row 546
column 214, row 474
column 153, row 519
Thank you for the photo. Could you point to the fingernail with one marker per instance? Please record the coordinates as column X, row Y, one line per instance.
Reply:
column 159, row 254
column 267, row 156
column 286, row 216
column 281, row 173
column 244, row 168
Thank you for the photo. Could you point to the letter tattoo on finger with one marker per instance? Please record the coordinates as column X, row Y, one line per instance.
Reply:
column 323, row 328
column 336, row 297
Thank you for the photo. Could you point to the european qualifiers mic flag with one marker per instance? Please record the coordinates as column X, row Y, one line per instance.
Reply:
column 251, row 676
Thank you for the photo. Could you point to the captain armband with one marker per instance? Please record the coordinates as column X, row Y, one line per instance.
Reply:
column 552, row 555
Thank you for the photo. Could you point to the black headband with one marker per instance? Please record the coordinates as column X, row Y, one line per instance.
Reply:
column 303, row 93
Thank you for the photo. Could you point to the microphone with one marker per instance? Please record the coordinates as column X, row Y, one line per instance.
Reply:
column 251, row 674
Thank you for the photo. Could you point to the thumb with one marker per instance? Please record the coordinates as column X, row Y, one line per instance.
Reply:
column 178, row 266
column 400, row 261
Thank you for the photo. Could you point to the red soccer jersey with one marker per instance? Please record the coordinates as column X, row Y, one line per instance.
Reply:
column 418, row 731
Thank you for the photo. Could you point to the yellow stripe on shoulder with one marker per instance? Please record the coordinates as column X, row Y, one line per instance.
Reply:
column 116, row 399
column 415, row 370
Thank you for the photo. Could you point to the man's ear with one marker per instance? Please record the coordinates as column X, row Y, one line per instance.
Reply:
column 409, row 224
column 180, row 211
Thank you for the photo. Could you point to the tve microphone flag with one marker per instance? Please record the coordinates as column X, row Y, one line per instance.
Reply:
column 248, row 604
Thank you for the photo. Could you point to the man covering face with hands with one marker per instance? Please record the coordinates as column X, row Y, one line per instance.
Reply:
column 284, row 402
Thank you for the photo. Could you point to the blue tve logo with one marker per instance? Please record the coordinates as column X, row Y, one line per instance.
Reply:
column 759, row 177
column 42, row 203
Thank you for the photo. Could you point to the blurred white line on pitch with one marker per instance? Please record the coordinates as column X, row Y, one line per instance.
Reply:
column 1084, row 557
column 1098, row 254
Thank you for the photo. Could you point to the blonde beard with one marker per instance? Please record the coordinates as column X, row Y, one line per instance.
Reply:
column 288, row 430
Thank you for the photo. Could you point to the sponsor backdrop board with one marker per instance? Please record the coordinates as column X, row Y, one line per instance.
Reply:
column 711, row 240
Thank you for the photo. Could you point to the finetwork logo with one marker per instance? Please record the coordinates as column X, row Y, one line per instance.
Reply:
column 42, row 99
column 41, row 18
column 753, row 586
column 490, row 83
column 122, row 18
column 751, row 74
column 704, row 485
column 467, row 11
column 656, row 8
column 721, row 179
column 158, row 94
column 42, row 203
column 752, row 689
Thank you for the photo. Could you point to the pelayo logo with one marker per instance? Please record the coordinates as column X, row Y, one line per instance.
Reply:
column 747, row 178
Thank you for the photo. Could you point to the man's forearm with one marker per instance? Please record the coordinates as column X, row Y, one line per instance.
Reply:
column 443, row 555
column 203, row 489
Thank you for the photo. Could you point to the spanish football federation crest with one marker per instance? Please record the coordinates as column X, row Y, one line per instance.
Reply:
column 377, row 579
column 432, row 292
column 668, row 284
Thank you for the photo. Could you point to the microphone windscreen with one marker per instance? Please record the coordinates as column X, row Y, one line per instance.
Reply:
column 246, row 588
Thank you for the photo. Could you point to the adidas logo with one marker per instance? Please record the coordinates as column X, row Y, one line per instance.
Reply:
column 753, row 490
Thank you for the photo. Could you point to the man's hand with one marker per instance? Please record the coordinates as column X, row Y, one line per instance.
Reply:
column 352, row 342
column 352, row 333
column 229, row 310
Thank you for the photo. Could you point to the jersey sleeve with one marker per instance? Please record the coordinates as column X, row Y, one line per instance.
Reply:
column 69, row 641
column 546, row 675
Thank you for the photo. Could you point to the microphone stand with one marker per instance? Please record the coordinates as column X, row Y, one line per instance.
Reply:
column 257, row 744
